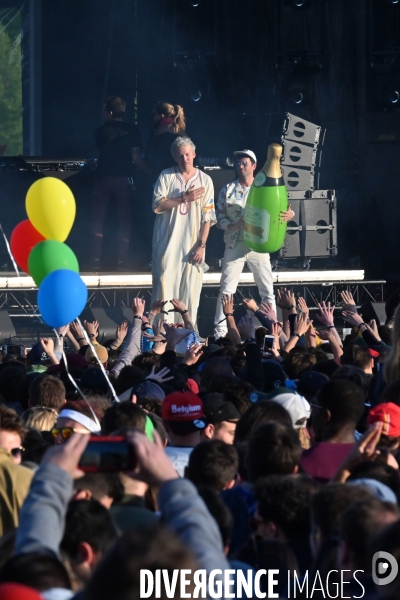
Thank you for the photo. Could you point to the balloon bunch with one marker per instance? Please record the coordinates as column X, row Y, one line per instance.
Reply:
column 38, row 248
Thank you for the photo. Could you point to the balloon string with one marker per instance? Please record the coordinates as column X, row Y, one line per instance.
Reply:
column 110, row 385
column 9, row 250
column 61, row 342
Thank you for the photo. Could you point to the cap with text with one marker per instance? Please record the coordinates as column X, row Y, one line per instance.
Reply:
column 183, row 407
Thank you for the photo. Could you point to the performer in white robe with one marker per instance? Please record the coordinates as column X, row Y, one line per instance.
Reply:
column 183, row 201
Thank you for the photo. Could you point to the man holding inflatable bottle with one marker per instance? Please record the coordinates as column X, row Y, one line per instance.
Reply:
column 230, row 217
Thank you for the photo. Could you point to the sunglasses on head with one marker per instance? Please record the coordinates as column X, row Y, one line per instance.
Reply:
column 17, row 451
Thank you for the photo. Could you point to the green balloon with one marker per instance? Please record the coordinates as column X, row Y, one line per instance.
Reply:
column 49, row 256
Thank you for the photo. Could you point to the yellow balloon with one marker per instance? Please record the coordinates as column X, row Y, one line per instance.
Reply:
column 51, row 208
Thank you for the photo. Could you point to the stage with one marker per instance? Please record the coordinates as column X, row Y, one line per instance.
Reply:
column 111, row 294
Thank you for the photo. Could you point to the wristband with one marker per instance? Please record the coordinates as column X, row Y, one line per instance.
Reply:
column 292, row 306
column 184, row 311
column 330, row 327
column 79, row 339
column 91, row 335
column 229, row 315
column 137, row 317
column 296, row 334
column 360, row 325
column 250, row 340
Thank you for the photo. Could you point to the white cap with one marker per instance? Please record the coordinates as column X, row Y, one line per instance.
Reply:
column 249, row 153
column 297, row 407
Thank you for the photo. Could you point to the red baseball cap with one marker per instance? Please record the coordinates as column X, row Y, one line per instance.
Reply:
column 16, row 591
column 387, row 413
column 183, row 407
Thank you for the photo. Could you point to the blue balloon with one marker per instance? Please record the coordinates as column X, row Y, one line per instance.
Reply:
column 61, row 297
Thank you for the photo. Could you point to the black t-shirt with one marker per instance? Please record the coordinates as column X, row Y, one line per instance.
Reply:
column 115, row 140
column 158, row 152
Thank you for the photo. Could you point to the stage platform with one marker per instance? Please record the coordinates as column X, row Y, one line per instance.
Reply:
column 111, row 295
column 10, row 281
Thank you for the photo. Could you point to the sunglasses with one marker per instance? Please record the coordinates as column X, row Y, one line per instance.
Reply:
column 65, row 432
column 244, row 163
column 17, row 451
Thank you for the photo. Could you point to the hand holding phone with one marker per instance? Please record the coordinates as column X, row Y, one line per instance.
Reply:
column 108, row 454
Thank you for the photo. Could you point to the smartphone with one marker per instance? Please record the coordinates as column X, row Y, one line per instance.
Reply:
column 107, row 454
column 14, row 350
column 269, row 343
column 210, row 340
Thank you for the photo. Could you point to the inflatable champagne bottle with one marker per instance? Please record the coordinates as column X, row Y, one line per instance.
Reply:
column 263, row 230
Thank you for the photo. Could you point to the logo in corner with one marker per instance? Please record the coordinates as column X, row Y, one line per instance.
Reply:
column 384, row 568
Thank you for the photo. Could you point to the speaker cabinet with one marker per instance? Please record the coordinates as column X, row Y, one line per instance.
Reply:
column 373, row 310
column 313, row 231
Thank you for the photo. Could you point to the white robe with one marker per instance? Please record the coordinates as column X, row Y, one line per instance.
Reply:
column 176, row 233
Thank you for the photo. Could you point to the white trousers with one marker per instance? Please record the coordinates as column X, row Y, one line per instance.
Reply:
column 232, row 267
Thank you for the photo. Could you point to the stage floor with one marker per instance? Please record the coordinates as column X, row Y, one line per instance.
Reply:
column 10, row 281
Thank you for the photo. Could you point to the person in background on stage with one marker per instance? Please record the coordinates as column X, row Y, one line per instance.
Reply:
column 183, row 201
column 169, row 123
column 230, row 217
column 120, row 146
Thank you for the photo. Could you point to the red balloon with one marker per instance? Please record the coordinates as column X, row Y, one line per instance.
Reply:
column 23, row 238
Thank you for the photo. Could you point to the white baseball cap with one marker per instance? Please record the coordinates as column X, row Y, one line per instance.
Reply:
column 297, row 406
column 249, row 153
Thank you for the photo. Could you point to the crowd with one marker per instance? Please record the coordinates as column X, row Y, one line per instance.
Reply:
column 243, row 460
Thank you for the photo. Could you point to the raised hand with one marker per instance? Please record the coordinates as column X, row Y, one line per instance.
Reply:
column 63, row 330
column 67, row 456
column 121, row 331
column 348, row 301
column 246, row 327
column 352, row 317
column 268, row 311
column 179, row 305
column 47, row 345
column 227, row 304
column 161, row 376
column 174, row 335
column 286, row 299
column 138, row 307
column 300, row 324
column 157, row 307
column 92, row 328
column 250, row 304
column 302, row 304
column 326, row 314
column 193, row 354
column 76, row 330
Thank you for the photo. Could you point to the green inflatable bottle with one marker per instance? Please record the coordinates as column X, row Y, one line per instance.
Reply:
column 263, row 230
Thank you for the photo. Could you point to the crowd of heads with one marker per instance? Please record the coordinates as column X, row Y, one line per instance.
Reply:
column 294, row 451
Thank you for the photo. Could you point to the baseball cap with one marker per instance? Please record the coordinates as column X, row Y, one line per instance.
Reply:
column 148, row 389
column 217, row 411
column 16, row 591
column 183, row 407
column 310, row 382
column 297, row 407
column 274, row 375
column 94, row 379
column 387, row 413
column 249, row 153
column 256, row 396
column 37, row 355
column 101, row 352
column 379, row 489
